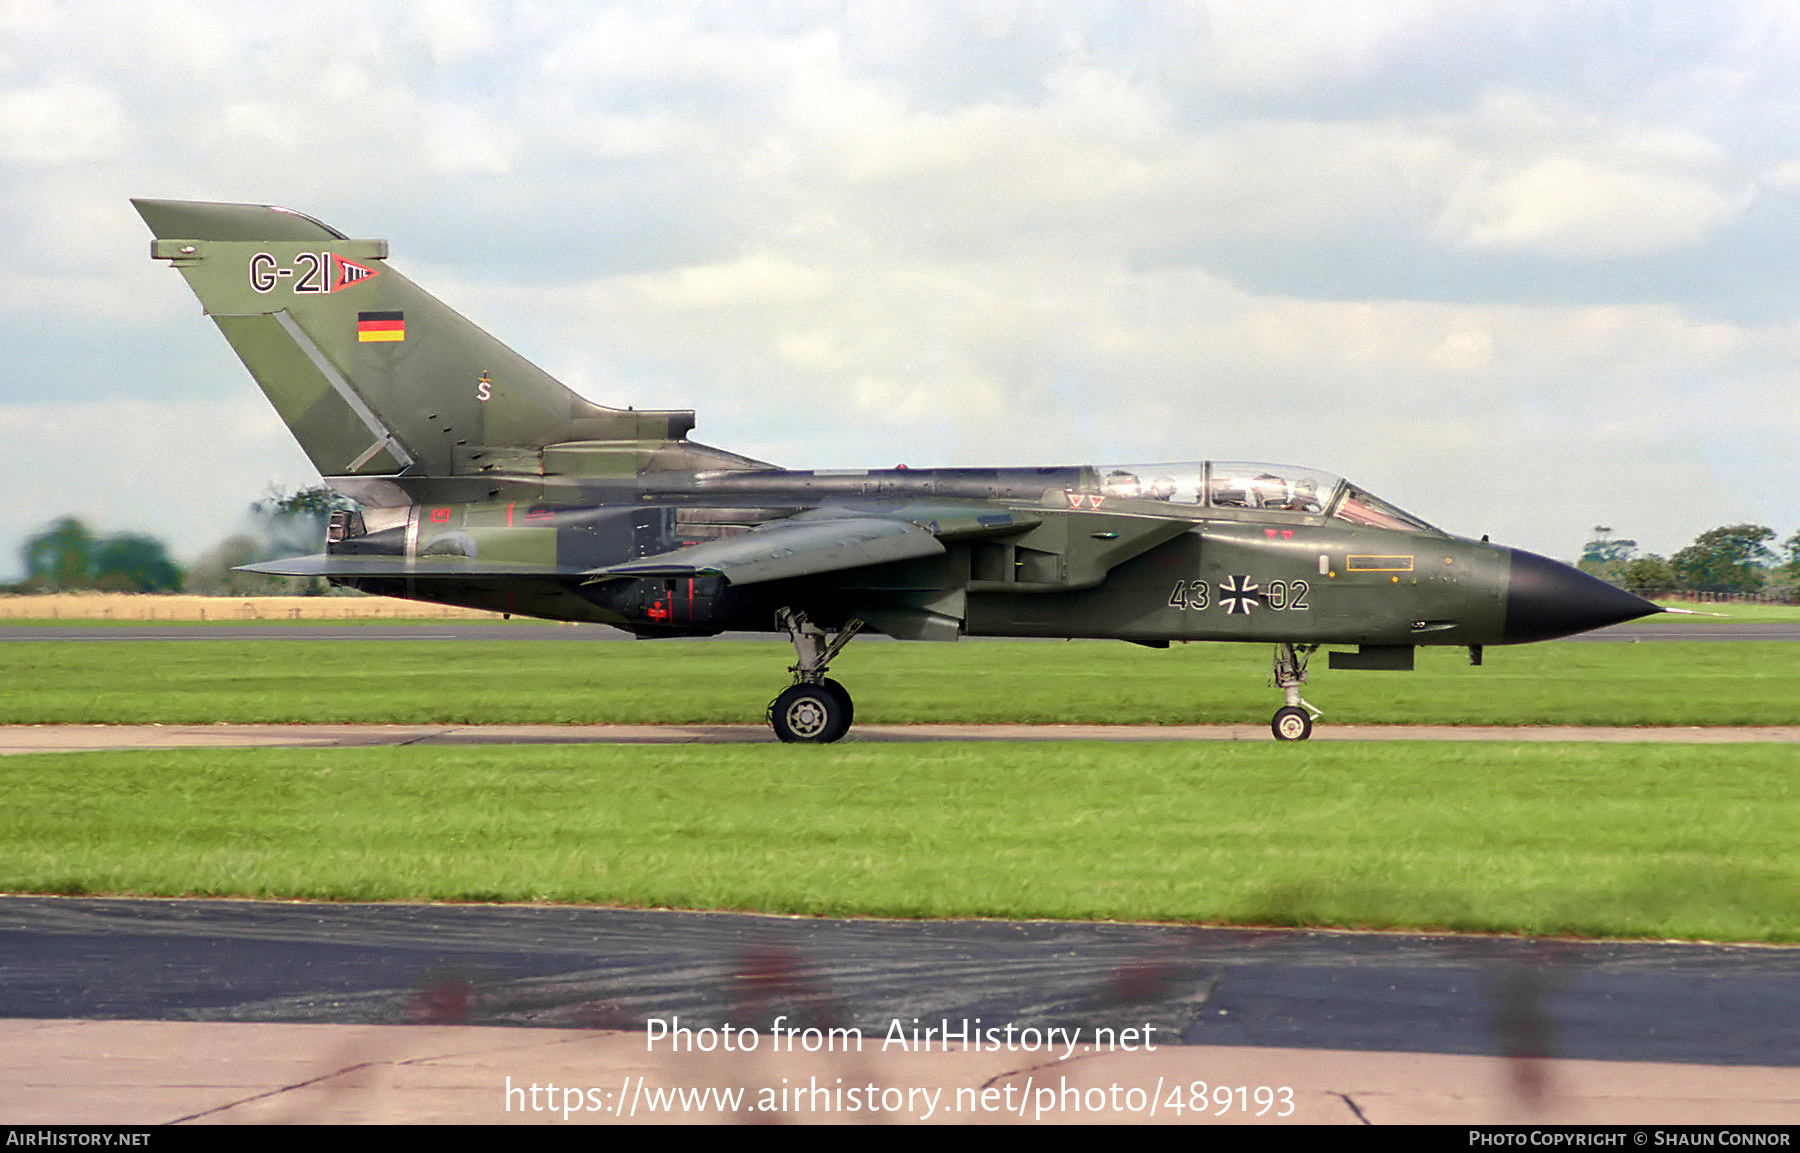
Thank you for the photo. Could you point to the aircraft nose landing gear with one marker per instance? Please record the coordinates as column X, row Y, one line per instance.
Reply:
column 1294, row 720
column 815, row 709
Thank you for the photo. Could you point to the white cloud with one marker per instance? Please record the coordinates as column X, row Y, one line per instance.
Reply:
column 1284, row 44
column 462, row 142
column 453, row 30
column 64, row 122
column 1559, row 182
column 1784, row 176
column 1571, row 209
column 760, row 282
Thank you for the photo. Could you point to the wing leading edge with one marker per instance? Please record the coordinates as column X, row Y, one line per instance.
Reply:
column 414, row 568
column 788, row 549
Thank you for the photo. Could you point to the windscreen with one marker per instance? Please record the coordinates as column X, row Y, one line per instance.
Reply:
column 1358, row 507
column 1255, row 486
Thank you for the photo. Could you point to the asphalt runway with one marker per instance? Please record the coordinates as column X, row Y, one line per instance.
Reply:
column 241, row 961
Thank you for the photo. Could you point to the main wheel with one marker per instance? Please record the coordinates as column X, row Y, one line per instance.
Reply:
column 843, row 695
column 811, row 714
column 1291, row 724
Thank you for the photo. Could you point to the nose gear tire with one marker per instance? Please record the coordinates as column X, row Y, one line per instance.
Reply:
column 1291, row 724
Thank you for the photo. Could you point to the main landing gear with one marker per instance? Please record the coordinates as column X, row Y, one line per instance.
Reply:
column 1294, row 720
column 815, row 709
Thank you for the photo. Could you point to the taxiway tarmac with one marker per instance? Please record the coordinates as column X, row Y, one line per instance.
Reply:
column 139, row 1011
column 135, row 1074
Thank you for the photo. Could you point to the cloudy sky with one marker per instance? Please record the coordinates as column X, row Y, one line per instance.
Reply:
column 1520, row 267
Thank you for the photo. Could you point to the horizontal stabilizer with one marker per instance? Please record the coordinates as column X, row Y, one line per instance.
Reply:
column 321, row 565
column 799, row 547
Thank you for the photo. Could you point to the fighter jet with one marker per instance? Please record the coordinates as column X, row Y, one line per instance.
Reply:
column 484, row 482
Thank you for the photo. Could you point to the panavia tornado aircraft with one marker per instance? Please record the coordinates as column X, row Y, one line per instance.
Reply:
column 485, row 482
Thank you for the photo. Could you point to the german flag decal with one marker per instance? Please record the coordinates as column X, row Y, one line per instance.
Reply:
column 380, row 326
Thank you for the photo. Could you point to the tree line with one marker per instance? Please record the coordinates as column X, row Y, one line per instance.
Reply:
column 1731, row 559
column 67, row 556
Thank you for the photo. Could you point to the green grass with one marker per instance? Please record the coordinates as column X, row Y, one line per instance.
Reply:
column 420, row 681
column 1612, row 841
column 1731, row 611
column 1630, row 841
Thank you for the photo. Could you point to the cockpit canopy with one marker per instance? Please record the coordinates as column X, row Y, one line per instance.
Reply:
column 1280, row 488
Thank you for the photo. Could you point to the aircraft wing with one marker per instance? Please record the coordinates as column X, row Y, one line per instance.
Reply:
column 806, row 545
column 777, row 552
column 797, row 547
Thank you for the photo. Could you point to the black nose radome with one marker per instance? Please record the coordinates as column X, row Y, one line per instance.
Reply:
column 1546, row 599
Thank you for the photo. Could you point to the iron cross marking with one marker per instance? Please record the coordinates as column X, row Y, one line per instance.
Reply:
column 1239, row 595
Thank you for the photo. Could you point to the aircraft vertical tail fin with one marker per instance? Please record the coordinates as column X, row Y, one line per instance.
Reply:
column 374, row 376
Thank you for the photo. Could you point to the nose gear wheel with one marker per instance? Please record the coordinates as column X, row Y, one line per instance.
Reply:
column 1294, row 720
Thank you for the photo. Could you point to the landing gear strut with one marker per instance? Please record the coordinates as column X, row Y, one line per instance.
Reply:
column 815, row 709
column 1294, row 720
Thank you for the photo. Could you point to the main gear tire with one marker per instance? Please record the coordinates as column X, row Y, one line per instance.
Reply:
column 849, row 706
column 811, row 714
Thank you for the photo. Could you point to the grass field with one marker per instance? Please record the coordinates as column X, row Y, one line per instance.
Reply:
column 420, row 681
column 1631, row 840
column 1746, row 612
column 1653, row 841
